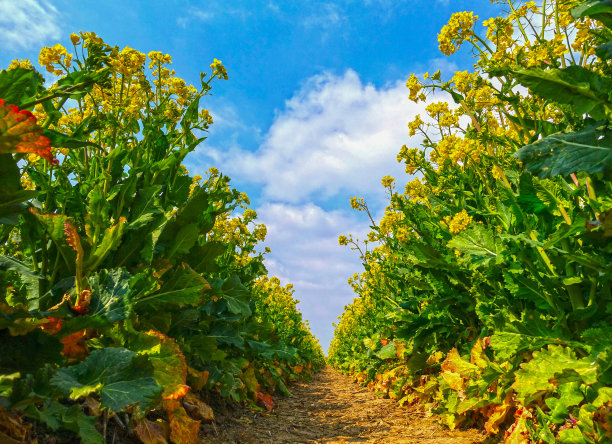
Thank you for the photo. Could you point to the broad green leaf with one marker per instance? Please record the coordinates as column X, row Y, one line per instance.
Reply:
column 54, row 226
column 120, row 376
column 479, row 243
column 55, row 416
column 387, row 351
column 585, row 90
column 28, row 352
column 184, row 287
column 195, row 217
column 550, row 367
column 11, row 264
column 170, row 368
column 597, row 9
column 589, row 150
column 226, row 334
column 19, row 85
column 111, row 301
column 145, row 208
column 569, row 395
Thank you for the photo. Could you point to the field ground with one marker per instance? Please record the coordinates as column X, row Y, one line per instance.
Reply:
column 332, row 409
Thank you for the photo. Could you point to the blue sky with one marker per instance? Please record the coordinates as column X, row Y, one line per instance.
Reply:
column 314, row 111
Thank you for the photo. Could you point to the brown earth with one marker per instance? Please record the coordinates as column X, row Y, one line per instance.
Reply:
column 332, row 409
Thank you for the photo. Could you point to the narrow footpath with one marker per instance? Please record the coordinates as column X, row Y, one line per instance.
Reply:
column 332, row 409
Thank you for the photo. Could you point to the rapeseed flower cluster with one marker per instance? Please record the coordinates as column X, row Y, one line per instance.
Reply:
column 20, row 63
column 51, row 56
column 459, row 150
column 416, row 191
column 415, row 87
column 460, row 28
column 218, row 69
column 457, row 222
column 413, row 157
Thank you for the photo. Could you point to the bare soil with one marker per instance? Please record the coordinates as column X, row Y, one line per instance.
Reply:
column 332, row 409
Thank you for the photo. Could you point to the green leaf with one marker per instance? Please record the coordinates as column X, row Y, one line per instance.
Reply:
column 569, row 396
column 120, row 376
column 109, row 242
column 58, row 416
column 195, row 217
column 111, row 294
column 387, row 351
column 61, row 140
column 588, row 150
column 170, row 368
column 11, row 264
column 19, row 85
column 479, row 243
column 584, row 90
column 28, row 352
column 597, row 9
column 550, row 367
column 226, row 334
column 145, row 208
column 184, row 287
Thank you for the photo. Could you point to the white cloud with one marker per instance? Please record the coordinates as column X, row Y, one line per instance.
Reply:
column 325, row 16
column 336, row 135
column 305, row 252
column 26, row 24
column 335, row 138
column 213, row 11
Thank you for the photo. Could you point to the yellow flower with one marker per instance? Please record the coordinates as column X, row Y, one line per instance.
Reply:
column 414, row 86
column 458, row 222
column 416, row 191
column 460, row 28
column 387, row 181
column 342, row 240
column 75, row 39
column 415, row 125
column 20, row 63
column 218, row 69
column 55, row 55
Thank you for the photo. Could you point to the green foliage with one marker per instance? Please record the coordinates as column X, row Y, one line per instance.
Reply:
column 488, row 294
column 126, row 280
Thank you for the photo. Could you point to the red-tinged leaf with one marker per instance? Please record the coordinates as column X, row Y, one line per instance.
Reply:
column 384, row 341
column 518, row 433
column 170, row 368
column 197, row 408
column 455, row 364
column 183, row 429
column 150, row 432
column 81, row 307
column 298, row 369
column 265, row 399
column 75, row 346
column 497, row 415
column 53, row 325
column 19, row 133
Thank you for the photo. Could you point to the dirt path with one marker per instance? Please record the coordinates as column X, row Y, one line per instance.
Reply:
column 332, row 409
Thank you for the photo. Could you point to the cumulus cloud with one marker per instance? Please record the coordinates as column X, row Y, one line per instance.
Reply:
column 326, row 16
column 335, row 138
column 214, row 10
column 25, row 24
column 305, row 252
column 336, row 135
